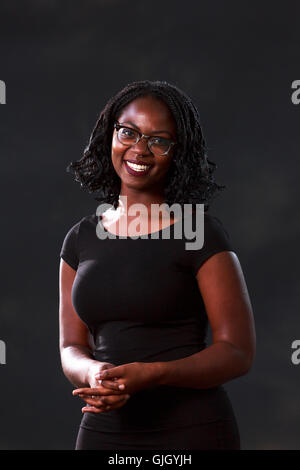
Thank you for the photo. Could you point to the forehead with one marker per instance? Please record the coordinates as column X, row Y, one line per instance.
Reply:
column 150, row 113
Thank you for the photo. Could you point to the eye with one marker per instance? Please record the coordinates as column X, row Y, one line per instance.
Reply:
column 159, row 141
column 126, row 132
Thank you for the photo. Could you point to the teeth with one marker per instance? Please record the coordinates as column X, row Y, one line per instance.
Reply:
column 137, row 167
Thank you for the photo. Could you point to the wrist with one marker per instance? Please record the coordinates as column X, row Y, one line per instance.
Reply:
column 93, row 368
column 166, row 373
column 157, row 373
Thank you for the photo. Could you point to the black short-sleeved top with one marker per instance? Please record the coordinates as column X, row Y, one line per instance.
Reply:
column 141, row 302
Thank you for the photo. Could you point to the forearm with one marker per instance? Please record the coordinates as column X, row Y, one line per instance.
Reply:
column 77, row 362
column 213, row 366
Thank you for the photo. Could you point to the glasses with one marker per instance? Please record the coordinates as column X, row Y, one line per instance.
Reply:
column 157, row 145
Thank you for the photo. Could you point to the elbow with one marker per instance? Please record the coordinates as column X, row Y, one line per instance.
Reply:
column 247, row 362
column 244, row 359
column 247, row 353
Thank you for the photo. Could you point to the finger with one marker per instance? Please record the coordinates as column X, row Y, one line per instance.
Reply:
column 92, row 409
column 94, row 391
column 111, row 405
column 110, row 373
column 99, row 397
column 120, row 403
column 97, row 402
column 113, row 385
column 105, row 401
column 113, row 400
column 87, row 390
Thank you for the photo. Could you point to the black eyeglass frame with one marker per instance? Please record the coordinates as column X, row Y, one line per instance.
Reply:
column 118, row 126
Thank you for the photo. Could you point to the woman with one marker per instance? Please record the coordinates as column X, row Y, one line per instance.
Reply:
column 134, row 309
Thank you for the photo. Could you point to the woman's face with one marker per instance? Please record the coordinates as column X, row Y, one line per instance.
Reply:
column 151, row 117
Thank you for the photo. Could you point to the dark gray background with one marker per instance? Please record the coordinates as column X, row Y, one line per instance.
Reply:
column 61, row 62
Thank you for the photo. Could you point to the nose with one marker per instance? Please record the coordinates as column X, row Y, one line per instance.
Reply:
column 141, row 148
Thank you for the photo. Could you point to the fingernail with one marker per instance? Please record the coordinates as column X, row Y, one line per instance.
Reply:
column 121, row 387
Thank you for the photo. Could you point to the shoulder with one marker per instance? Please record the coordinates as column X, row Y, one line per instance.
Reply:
column 74, row 230
column 87, row 219
column 211, row 238
column 72, row 242
column 212, row 223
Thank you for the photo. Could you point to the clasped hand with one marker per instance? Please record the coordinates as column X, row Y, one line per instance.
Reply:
column 111, row 386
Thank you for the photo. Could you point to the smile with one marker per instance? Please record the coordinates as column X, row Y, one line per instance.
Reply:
column 136, row 169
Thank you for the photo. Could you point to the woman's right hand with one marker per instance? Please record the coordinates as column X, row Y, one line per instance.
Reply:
column 98, row 397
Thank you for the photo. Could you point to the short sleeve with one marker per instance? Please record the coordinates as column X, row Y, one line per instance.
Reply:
column 216, row 239
column 69, row 249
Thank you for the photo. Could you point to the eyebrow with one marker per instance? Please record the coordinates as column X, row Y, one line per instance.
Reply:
column 154, row 132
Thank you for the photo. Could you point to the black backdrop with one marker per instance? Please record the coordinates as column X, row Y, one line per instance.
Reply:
column 61, row 62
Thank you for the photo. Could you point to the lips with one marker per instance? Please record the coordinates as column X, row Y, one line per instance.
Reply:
column 138, row 171
column 138, row 162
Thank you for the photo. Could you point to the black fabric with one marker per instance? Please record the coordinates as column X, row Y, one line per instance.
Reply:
column 217, row 435
column 141, row 302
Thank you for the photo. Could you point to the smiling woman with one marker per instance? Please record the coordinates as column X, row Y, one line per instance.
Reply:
column 146, row 303
column 190, row 177
column 151, row 116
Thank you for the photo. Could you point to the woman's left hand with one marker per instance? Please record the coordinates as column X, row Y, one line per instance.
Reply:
column 134, row 376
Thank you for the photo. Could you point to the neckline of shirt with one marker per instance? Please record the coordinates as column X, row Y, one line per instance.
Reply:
column 143, row 236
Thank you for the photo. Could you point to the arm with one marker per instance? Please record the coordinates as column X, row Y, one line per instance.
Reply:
column 231, row 354
column 75, row 350
column 77, row 360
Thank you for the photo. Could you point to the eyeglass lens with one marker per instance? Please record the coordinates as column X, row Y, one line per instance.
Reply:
column 157, row 145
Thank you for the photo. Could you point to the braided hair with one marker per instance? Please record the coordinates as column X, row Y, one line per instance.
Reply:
column 190, row 176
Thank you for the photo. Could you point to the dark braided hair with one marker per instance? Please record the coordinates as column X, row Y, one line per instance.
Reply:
column 190, row 176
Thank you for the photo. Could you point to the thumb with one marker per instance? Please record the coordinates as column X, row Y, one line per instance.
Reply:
column 110, row 373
